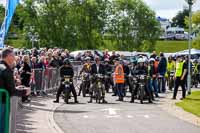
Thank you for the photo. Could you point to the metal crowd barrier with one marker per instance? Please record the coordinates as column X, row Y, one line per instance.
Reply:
column 45, row 80
column 4, row 111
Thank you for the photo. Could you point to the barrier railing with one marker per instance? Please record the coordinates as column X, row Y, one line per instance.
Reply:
column 4, row 101
column 45, row 80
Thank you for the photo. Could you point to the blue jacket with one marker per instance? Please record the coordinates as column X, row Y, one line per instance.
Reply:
column 162, row 66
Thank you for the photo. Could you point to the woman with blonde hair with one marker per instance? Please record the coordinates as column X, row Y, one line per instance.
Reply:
column 25, row 75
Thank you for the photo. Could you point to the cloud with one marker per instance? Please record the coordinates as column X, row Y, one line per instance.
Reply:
column 3, row 2
column 169, row 8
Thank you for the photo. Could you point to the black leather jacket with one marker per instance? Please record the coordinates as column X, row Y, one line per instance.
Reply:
column 7, row 81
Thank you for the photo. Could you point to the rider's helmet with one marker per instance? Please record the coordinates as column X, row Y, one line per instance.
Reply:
column 87, row 58
column 152, row 60
column 106, row 60
column 157, row 58
column 66, row 62
column 97, row 58
column 195, row 61
column 141, row 60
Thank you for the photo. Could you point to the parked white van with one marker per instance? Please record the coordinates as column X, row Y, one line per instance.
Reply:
column 175, row 33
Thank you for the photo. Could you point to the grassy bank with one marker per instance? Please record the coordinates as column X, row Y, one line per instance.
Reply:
column 191, row 103
column 171, row 46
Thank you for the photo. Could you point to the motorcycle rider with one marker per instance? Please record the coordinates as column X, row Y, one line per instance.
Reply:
column 85, row 69
column 97, row 68
column 142, row 69
column 86, row 66
column 108, row 72
column 170, row 68
column 66, row 70
column 127, row 72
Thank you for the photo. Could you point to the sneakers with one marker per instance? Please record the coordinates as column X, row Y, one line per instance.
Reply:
column 182, row 98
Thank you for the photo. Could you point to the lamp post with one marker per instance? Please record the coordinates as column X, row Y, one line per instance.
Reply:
column 34, row 36
column 190, row 3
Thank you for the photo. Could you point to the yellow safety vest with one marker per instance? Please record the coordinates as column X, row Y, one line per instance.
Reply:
column 179, row 69
column 170, row 66
column 195, row 68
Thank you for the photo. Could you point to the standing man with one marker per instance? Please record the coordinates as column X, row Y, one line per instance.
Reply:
column 119, row 79
column 162, row 69
column 180, row 77
column 153, row 55
column 7, row 82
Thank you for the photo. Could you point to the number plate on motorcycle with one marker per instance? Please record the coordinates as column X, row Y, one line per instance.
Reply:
column 66, row 86
column 142, row 77
column 67, row 79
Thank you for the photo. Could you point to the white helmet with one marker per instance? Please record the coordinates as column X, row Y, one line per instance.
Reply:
column 152, row 60
column 141, row 60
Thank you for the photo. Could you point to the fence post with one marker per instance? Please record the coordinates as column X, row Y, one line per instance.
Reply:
column 7, row 109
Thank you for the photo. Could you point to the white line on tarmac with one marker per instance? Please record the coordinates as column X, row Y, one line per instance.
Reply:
column 112, row 116
column 85, row 116
column 146, row 116
column 129, row 116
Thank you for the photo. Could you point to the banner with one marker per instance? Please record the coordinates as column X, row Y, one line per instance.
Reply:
column 10, row 10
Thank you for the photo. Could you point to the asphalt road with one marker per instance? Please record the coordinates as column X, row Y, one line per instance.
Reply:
column 118, row 117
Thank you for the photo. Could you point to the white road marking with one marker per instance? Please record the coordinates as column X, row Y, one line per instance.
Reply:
column 111, row 111
column 129, row 116
column 85, row 116
column 146, row 116
column 112, row 116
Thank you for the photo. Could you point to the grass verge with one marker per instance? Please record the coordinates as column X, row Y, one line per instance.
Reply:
column 191, row 103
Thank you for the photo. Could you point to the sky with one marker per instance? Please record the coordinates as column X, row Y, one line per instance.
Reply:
column 164, row 8
column 169, row 8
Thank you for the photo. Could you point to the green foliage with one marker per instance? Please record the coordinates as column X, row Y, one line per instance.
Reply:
column 85, row 24
column 179, row 19
column 171, row 46
column 2, row 13
column 130, row 19
column 191, row 103
column 196, row 42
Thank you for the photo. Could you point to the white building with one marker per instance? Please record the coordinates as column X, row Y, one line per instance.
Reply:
column 165, row 23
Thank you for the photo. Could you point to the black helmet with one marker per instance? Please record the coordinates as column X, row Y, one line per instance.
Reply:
column 157, row 58
column 66, row 62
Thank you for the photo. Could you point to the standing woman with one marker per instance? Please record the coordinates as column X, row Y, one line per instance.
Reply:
column 25, row 75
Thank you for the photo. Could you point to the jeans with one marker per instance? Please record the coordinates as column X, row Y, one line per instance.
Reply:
column 162, row 81
column 2, row 118
column 155, row 86
column 120, row 91
column 149, row 85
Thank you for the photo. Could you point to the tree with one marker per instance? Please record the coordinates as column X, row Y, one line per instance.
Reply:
column 179, row 19
column 129, row 20
column 196, row 28
column 2, row 14
column 84, row 24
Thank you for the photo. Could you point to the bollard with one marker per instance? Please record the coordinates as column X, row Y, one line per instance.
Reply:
column 5, row 93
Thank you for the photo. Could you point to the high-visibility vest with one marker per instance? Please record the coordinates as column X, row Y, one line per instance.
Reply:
column 156, row 66
column 179, row 69
column 119, row 75
column 170, row 66
column 195, row 68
